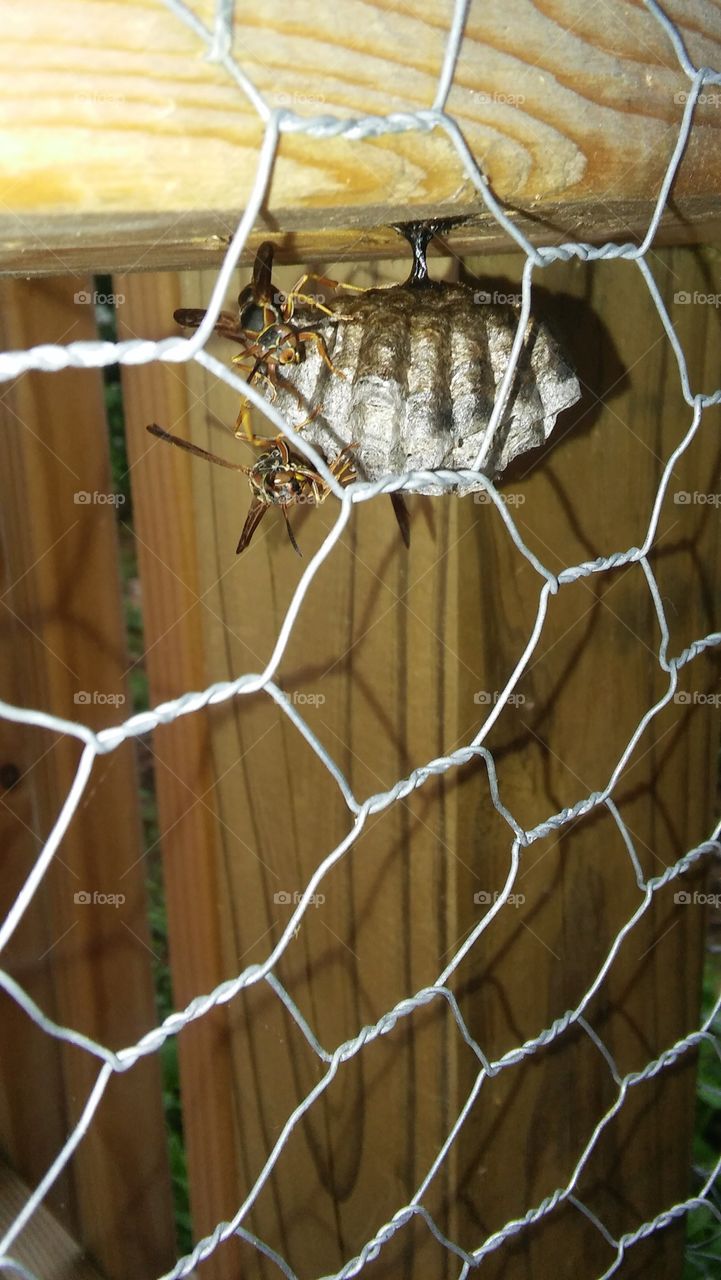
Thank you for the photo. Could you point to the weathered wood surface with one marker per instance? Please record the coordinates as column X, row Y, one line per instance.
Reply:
column 406, row 652
column 183, row 765
column 594, row 674
column 45, row 1248
column 123, row 147
column 87, row 964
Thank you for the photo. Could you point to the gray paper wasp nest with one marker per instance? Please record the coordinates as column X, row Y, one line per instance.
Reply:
column 416, row 368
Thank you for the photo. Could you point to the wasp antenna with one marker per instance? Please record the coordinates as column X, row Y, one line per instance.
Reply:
column 402, row 516
column 195, row 449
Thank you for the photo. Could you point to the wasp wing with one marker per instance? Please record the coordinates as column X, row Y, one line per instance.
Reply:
column 252, row 520
column 402, row 516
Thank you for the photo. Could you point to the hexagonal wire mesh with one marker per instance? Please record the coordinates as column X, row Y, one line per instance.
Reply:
column 97, row 354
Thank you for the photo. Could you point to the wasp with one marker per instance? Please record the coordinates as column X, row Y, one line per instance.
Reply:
column 265, row 328
column 278, row 478
column 274, row 338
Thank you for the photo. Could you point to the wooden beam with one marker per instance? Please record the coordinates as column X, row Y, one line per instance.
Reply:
column 124, row 148
column 49, row 246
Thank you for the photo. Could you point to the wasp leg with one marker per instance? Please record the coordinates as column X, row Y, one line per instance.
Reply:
column 296, row 295
column 330, row 284
column 298, row 426
column 309, row 335
column 271, row 380
column 343, row 468
column 280, row 381
column 243, row 429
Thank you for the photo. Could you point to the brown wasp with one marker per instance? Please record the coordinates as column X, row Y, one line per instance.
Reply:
column 265, row 328
column 273, row 337
column 279, row 478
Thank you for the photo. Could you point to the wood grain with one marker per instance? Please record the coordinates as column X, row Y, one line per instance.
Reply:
column 593, row 676
column 406, row 652
column 88, row 965
column 267, row 838
column 172, row 605
column 45, row 1248
column 112, row 117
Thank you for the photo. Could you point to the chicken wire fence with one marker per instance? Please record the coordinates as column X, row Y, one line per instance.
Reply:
column 89, row 355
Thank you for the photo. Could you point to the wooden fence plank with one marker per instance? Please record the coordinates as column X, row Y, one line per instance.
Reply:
column 393, row 660
column 62, row 638
column 568, row 112
column 172, row 595
column 45, row 1247
column 593, row 677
